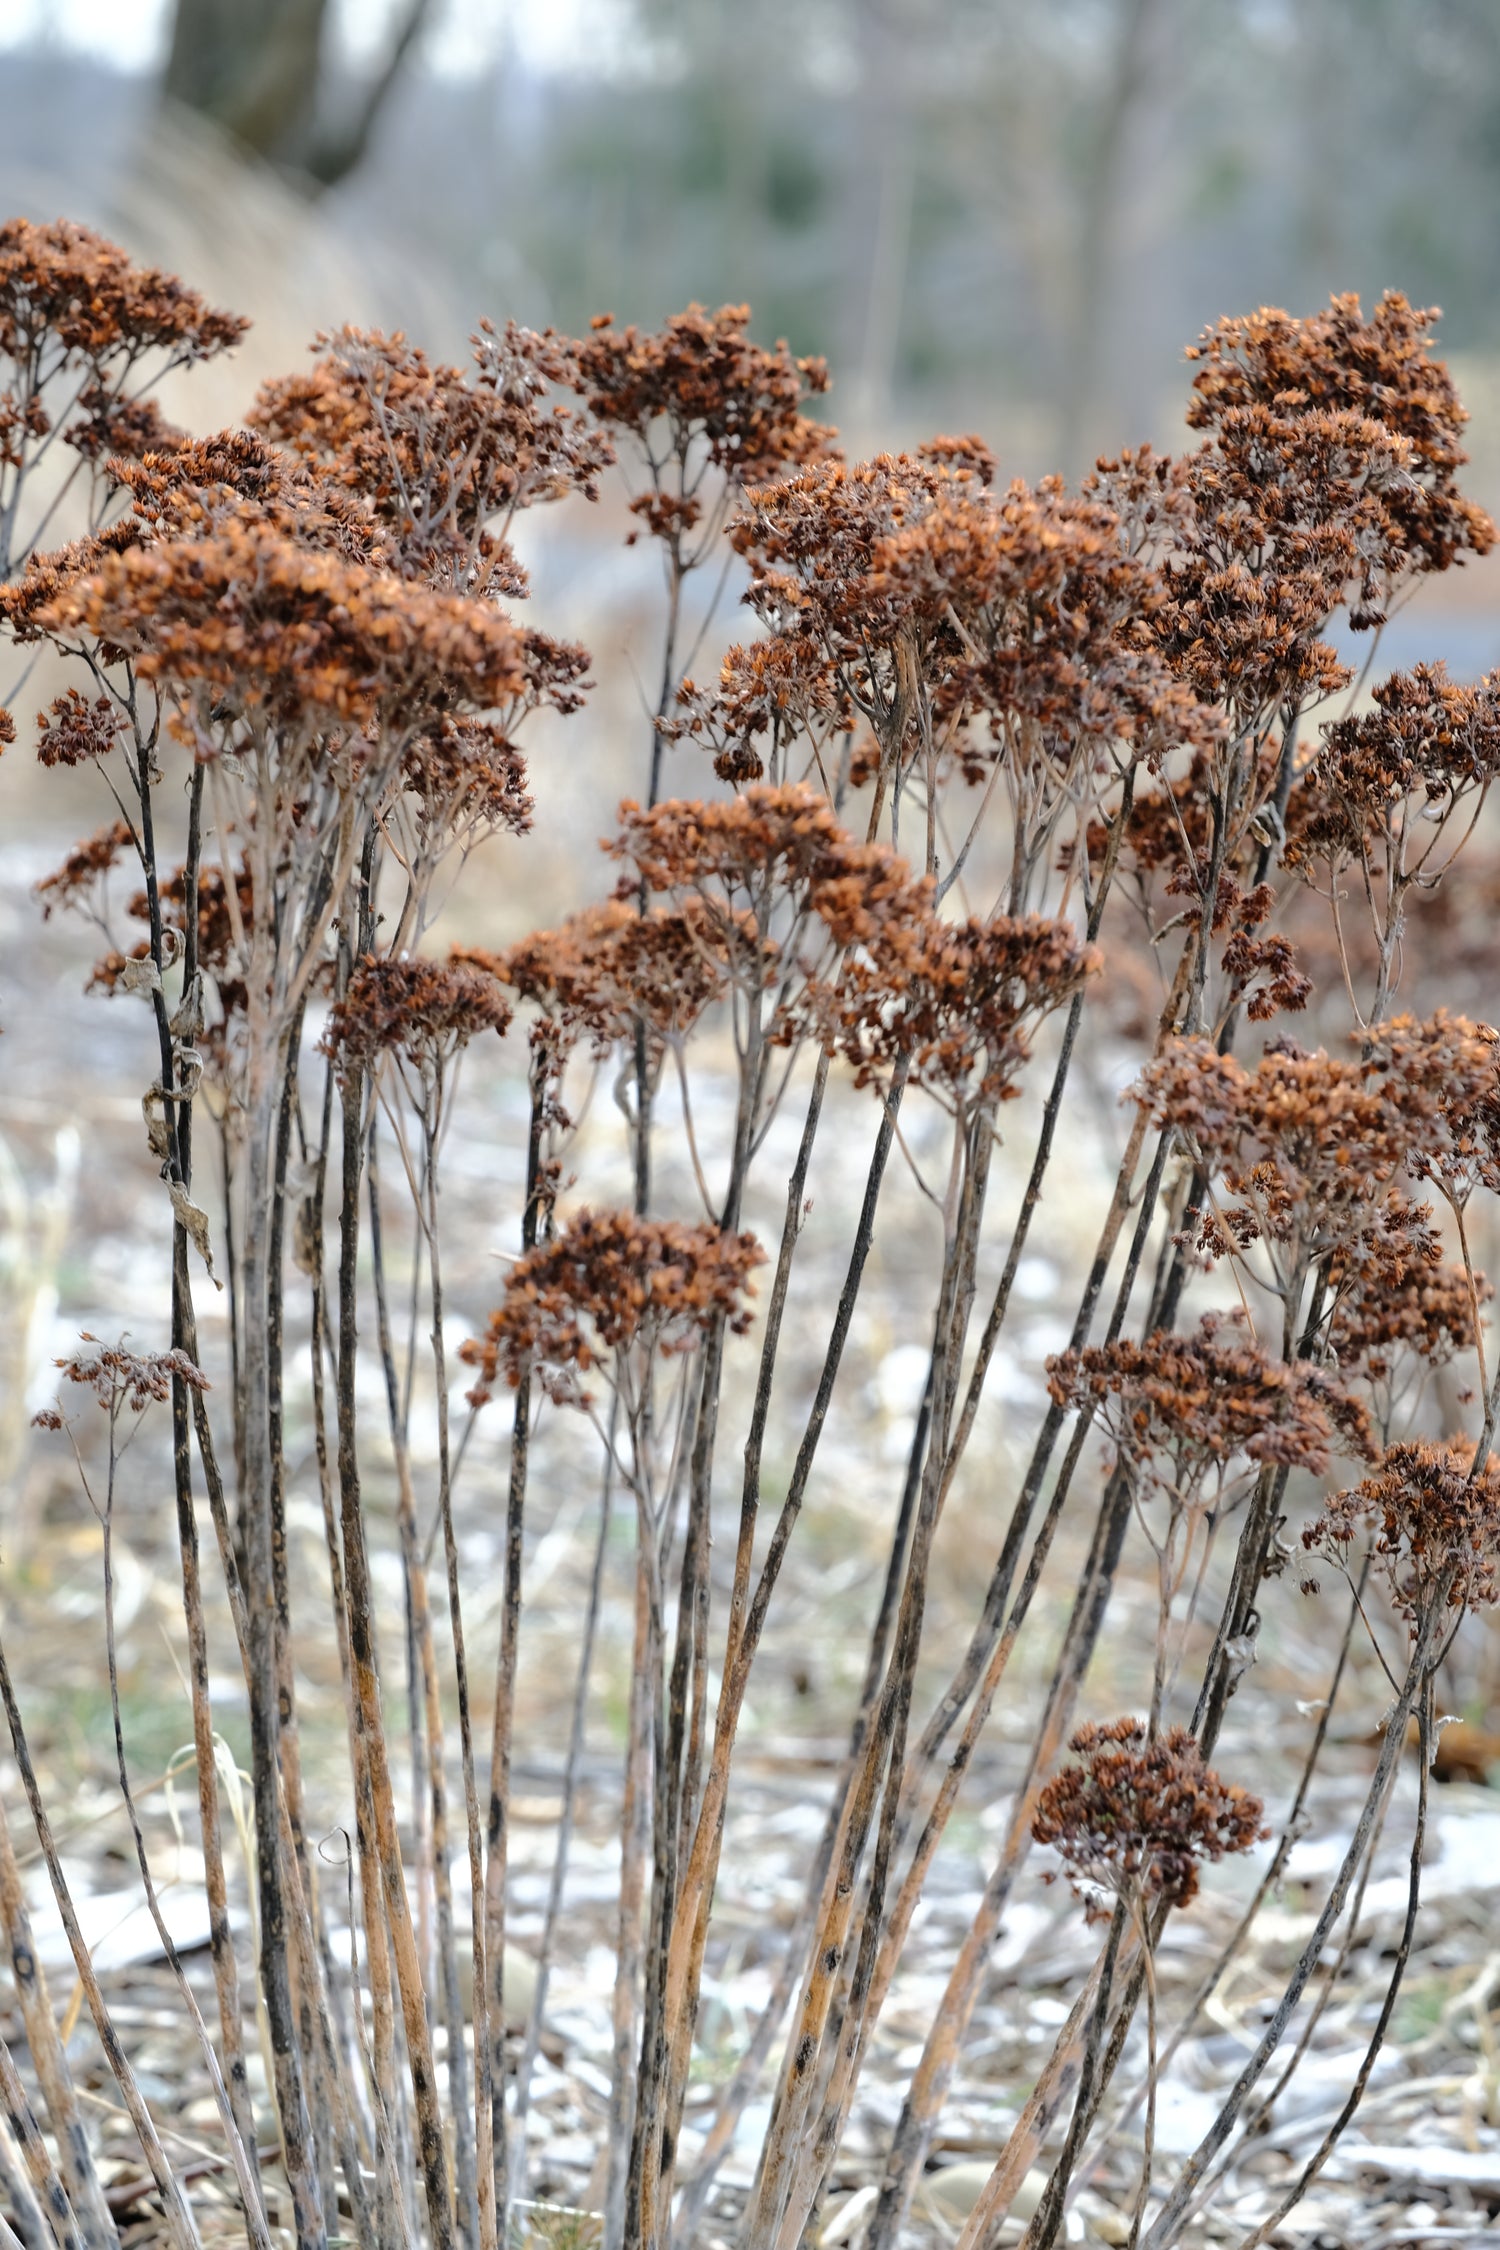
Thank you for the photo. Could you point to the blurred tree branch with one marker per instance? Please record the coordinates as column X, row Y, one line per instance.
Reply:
column 259, row 69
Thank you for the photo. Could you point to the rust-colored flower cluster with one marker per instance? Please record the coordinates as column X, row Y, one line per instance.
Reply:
column 1328, row 477
column 771, row 873
column 1435, row 1515
column 85, row 867
column 1181, row 1408
column 467, row 779
column 611, row 967
column 1394, row 1299
column 1447, row 1070
column 1426, row 747
column 908, row 591
column 236, row 475
column 118, row 1377
column 293, row 633
column 958, row 1001
column 1310, row 1148
column 422, row 1010
column 769, row 694
column 72, row 731
column 606, row 1283
column 438, row 453
column 1138, row 1815
column 1338, row 364
column 705, row 379
column 77, row 320
column 64, row 289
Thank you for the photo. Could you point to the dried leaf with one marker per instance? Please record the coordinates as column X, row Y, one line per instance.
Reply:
column 195, row 1223
column 139, row 976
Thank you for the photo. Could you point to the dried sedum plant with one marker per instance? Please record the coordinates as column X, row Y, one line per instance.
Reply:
column 295, row 677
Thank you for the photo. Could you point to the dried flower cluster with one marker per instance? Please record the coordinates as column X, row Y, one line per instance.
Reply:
column 958, row 1002
column 1281, row 376
column 85, row 866
column 605, row 1283
column 1386, row 1304
column 1139, row 1815
column 704, row 379
column 293, row 632
column 422, row 1010
column 962, row 624
column 438, row 455
column 138, row 1379
column 1311, row 1148
column 1181, row 1407
column 604, row 971
column 73, row 730
column 777, row 888
column 1435, row 1514
column 1425, row 748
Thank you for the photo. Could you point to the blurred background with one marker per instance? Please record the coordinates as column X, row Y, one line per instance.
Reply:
column 1003, row 213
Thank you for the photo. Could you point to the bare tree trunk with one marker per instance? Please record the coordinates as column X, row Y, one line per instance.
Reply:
column 259, row 70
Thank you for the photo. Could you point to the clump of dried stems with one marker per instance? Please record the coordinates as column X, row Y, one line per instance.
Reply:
column 298, row 682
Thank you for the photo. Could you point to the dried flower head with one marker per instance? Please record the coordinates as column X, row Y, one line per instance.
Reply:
column 1446, row 1070
column 1393, row 1299
column 712, row 386
column 439, row 453
column 424, row 1011
column 969, row 629
column 1435, row 1513
column 1138, row 1816
column 1181, row 1408
column 467, row 779
column 110, row 429
column 1328, row 476
column 1308, row 1147
column 607, row 1284
column 611, row 967
column 1383, row 784
column 85, row 866
column 73, row 731
column 251, row 613
column 1337, row 363
column 776, row 849
column 65, row 289
column 84, row 334
column 924, row 590
column 768, row 694
column 960, row 1001
column 118, row 1377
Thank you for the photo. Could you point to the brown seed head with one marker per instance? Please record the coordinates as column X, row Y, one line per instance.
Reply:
column 1436, row 1519
column 424, row 1011
column 1180, row 1408
column 118, row 1377
column 1138, row 1816
column 959, row 1000
column 295, row 634
column 704, row 377
column 608, row 1283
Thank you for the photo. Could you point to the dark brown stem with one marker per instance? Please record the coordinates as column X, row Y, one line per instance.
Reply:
column 497, row 1836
